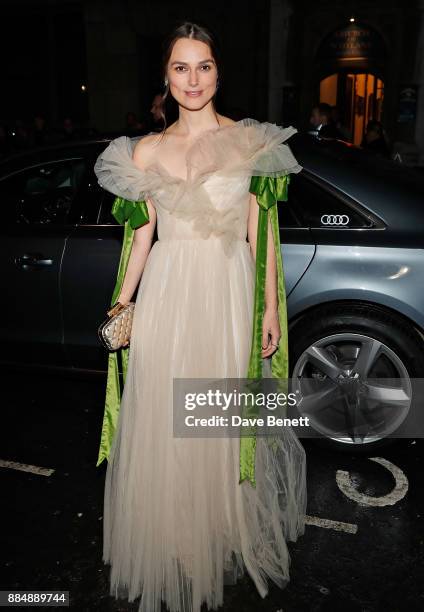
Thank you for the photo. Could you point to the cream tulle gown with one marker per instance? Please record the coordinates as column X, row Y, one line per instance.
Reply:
column 177, row 523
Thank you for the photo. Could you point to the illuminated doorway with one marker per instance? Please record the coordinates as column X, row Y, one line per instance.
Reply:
column 351, row 63
column 358, row 98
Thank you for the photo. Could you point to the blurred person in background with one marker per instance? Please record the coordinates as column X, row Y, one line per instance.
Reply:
column 375, row 139
column 69, row 131
column 39, row 134
column 133, row 126
column 322, row 122
column 343, row 129
column 155, row 121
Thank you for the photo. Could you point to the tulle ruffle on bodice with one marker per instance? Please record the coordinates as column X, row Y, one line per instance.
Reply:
column 214, row 196
column 248, row 145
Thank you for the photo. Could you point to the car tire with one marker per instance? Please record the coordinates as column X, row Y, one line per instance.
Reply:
column 367, row 320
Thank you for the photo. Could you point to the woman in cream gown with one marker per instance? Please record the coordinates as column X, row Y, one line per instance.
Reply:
column 177, row 523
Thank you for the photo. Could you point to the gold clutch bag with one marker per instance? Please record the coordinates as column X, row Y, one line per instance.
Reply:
column 115, row 331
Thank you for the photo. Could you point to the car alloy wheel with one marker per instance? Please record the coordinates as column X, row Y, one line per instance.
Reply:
column 353, row 388
column 353, row 365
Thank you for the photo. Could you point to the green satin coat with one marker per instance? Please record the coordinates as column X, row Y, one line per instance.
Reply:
column 135, row 214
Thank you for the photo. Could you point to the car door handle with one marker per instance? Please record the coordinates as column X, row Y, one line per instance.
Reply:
column 32, row 260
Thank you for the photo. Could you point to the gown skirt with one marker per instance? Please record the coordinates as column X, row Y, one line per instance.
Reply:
column 177, row 523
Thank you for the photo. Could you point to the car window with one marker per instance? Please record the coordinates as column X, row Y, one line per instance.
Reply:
column 287, row 214
column 42, row 194
column 97, row 202
column 105, row 213
column 318, row 207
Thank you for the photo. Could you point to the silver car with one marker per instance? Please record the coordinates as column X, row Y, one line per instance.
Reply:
column 352, row 243
column 352, row 234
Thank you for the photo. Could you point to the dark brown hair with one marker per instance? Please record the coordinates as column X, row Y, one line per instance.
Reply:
column 194, row 31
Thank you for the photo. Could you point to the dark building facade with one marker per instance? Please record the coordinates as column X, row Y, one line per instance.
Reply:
column 367, row 59
column 281, row 57
column 99, row 59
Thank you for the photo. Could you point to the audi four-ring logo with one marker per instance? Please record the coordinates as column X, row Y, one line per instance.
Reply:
column 334, row 219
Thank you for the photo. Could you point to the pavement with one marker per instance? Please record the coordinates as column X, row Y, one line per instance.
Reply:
column 362, row 551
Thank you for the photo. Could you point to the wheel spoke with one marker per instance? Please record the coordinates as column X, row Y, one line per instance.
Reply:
column 361, row 422
column 324, row 362
column 368, row 354
column 351, row 418
column 387, row 395
column 319, row 400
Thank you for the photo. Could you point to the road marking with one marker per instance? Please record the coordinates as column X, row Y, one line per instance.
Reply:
column 25, row 467
column 396, row 494
column 329, row 524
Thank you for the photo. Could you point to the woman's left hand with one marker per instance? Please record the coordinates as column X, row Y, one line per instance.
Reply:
column 271, row 332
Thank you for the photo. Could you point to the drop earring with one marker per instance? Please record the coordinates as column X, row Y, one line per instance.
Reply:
column 165, row 82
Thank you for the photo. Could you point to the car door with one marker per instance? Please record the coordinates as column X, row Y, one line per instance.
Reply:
column 297, row 242
column 335, row 221
column 37, row 203
column 89, row 270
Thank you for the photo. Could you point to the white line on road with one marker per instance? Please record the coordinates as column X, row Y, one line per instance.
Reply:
column 329, row 524
column 25, row 467
column 397, row 493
